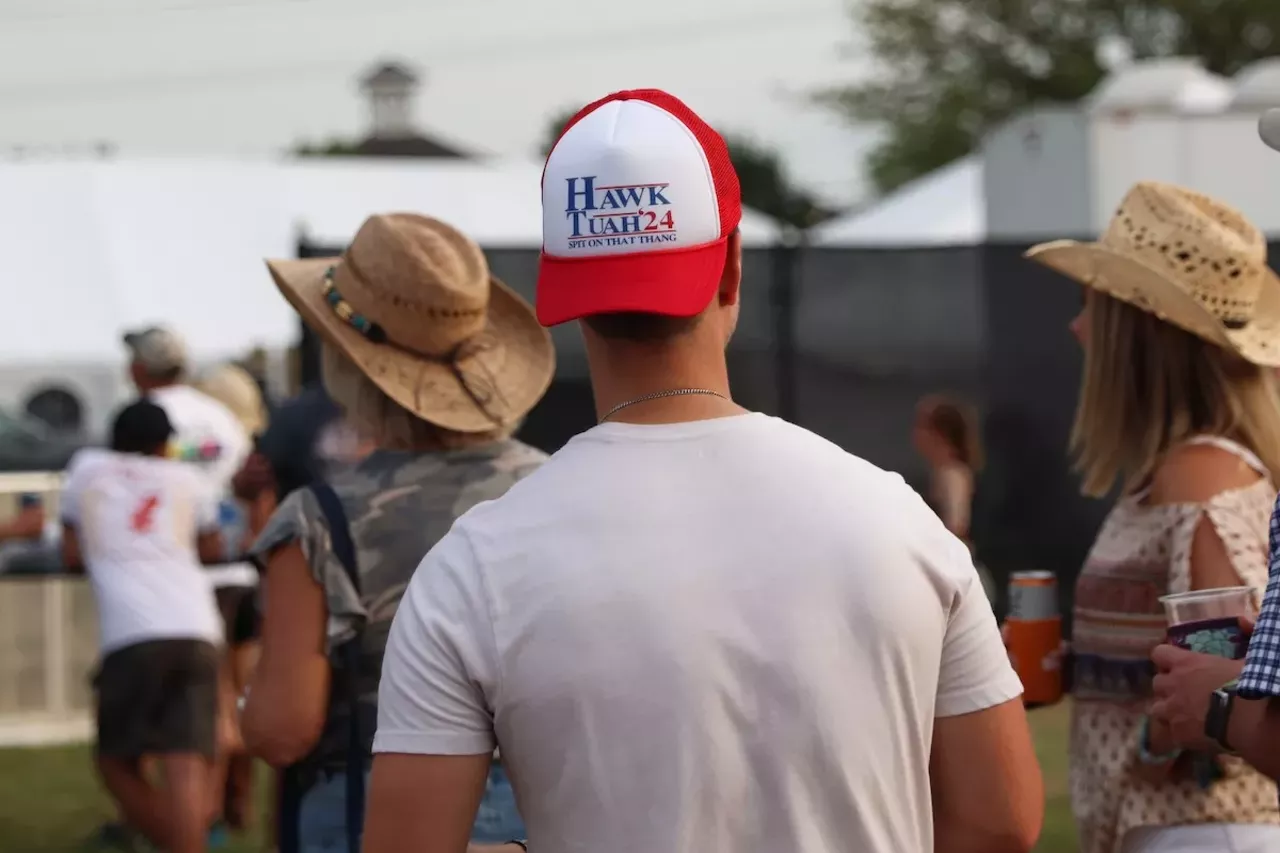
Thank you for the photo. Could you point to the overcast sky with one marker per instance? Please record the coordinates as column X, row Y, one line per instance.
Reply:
column 249, row 78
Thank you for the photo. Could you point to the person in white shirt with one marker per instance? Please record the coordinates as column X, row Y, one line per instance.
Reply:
column 695, row 628
column 140, row 523
column 209, row 437
column 205, row 430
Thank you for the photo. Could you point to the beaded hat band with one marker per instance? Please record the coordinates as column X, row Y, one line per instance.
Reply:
column 349, row 315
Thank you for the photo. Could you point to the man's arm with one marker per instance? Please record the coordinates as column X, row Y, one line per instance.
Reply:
column 209, row 547
column 988, row 795
column 72, row 559
column 70, row 511
column 1254, row 731
column 424, row 803
column 435, row 735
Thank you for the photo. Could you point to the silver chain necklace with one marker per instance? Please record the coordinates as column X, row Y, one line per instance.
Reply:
column 658, row 395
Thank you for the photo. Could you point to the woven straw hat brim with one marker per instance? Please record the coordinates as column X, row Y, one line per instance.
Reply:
column 524, row 362
column 234, row 388
column 1151, row 290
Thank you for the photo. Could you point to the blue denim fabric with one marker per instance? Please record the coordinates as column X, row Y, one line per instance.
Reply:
column 323, row 817
column 497, row 820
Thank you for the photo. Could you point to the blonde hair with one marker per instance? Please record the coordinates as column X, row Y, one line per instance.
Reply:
column 235, row 388
column 378, row 418
column 1148, row 386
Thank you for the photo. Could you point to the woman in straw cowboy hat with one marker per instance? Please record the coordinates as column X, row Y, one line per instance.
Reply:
column 436, row 362
column 1178, row 406
column 1189, row 689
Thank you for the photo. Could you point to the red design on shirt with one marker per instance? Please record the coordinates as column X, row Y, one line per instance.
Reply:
column 144, row 515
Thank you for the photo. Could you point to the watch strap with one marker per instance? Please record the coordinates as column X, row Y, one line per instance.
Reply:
column 1217, row 721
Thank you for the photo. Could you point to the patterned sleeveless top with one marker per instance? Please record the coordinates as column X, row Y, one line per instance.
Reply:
column 1143, row 552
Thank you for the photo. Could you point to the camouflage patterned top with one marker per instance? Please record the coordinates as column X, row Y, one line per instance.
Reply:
column 398, row 505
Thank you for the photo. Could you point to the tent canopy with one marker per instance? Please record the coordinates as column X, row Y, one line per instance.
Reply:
column 94, row 248
column 498, row 203
column 945, row 208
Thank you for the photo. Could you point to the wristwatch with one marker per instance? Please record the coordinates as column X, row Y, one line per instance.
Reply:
column 1218, row 720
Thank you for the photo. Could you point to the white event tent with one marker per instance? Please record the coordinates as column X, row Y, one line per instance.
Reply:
column 943, row 208
column 499, row 203
column 94, row 248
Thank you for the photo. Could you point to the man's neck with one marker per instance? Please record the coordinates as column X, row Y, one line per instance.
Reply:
column 625, row 374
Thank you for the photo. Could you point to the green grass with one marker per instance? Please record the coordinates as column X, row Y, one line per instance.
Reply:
column 1050, row 727
column 50, row 800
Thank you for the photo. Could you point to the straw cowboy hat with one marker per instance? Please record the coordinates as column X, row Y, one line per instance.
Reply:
column 1190, row 260
column 413, row 305
column 235, row 388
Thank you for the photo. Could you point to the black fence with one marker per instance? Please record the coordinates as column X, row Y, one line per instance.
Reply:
column 845, row 342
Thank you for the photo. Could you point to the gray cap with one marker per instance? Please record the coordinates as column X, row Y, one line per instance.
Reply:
column 157, row 349
column 1269, row 128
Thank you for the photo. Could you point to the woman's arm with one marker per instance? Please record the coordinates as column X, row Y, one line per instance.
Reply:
column 287, row 700
column 953, row 495
column 1195, row 474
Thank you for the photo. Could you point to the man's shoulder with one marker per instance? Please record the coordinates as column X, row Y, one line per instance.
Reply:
column 86, row 458
column 83, row 465
column 802, row 447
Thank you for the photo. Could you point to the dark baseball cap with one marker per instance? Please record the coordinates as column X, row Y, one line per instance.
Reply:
column 141, row 427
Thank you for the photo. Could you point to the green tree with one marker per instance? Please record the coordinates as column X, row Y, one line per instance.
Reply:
column 764, row 181
column 948, row 70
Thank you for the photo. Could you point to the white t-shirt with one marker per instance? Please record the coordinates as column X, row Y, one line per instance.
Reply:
column 137, row 519
column 720, row 635
column 208, row 435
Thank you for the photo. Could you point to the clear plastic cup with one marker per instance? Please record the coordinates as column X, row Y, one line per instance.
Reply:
column 1200, row 605
column 1208, row 620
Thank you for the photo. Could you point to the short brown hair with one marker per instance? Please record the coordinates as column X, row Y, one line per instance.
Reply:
column 640, row 328
column 957, row 423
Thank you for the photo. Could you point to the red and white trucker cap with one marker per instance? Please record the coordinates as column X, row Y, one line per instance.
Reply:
column 638, row 198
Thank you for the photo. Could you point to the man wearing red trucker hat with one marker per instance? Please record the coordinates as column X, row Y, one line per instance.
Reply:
column 695, row 628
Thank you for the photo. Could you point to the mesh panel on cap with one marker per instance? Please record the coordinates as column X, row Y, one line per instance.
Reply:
column 723, row 176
